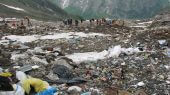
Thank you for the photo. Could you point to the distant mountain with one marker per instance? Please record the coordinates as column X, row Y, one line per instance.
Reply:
column 38, row 9
column 113, row 8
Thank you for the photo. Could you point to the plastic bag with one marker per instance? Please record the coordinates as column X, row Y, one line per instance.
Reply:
column 37, row 84
column 18, row 90
column 6, row 74
column 49, row 91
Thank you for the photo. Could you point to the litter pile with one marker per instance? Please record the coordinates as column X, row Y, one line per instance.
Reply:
column 53, row 59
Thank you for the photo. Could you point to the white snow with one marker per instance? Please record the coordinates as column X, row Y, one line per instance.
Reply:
column 4, row 42
column 65, row 3
column 148, row 22
column 139, row 26
column 12, row 7
column 94, row 56
column 69, row 35
column 87, row 56
column 21, row 39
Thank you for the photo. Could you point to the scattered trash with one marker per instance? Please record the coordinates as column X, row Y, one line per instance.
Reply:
column 97, row 59
column 141, row 83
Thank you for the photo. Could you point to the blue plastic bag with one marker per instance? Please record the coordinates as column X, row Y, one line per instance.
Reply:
column 49, row 91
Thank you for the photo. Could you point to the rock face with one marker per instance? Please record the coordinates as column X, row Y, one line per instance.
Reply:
column 113, row 8
column 42, row 9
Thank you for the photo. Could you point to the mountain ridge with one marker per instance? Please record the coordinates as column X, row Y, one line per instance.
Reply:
column 130, row 9
column 38, row 9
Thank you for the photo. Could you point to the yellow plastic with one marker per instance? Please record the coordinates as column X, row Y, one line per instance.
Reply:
column 6, row 74
column 37, row 84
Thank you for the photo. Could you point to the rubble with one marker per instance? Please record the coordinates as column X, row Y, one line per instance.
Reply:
column 131, row 59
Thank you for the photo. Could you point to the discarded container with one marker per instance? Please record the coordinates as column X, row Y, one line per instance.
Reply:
column 18, row 90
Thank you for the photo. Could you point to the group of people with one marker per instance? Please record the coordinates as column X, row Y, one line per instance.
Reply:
column 70, row 22
column 92, row 21
column 15, row 23
column 102, row 21
column 22, row 24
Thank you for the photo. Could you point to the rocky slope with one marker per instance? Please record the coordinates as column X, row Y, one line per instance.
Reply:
column 113, row 8
column 41, row 9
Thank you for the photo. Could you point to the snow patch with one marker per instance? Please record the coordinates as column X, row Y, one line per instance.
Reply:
column 94, row 56
column 139, row 26
column 21, row 39
column 68, row 36
column 65, row 3
column 12, row 7
column 148, row 22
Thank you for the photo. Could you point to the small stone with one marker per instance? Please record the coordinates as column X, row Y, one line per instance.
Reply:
column 74, row 89
column 161, row 77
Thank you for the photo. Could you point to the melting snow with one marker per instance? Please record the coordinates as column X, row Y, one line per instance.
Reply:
column 22, row 39
column 94, row 56
column 139, row 26
column 149, row 22
column 12, row 7
column 69, row 35
column 65, row 3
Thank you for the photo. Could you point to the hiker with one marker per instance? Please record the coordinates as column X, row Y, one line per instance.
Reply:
column 14, row 24
column 28, row 21
column 81, row 20
column 65, row 22
column 22, row 26
column 92, row 19
column 76, row 22
column 103, row 20
column 97, row 21
column 70, row 22
column 22, row 23
column 90, row 22
column 100, row 22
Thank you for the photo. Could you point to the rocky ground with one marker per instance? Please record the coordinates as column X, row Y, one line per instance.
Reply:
column 98, row 60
